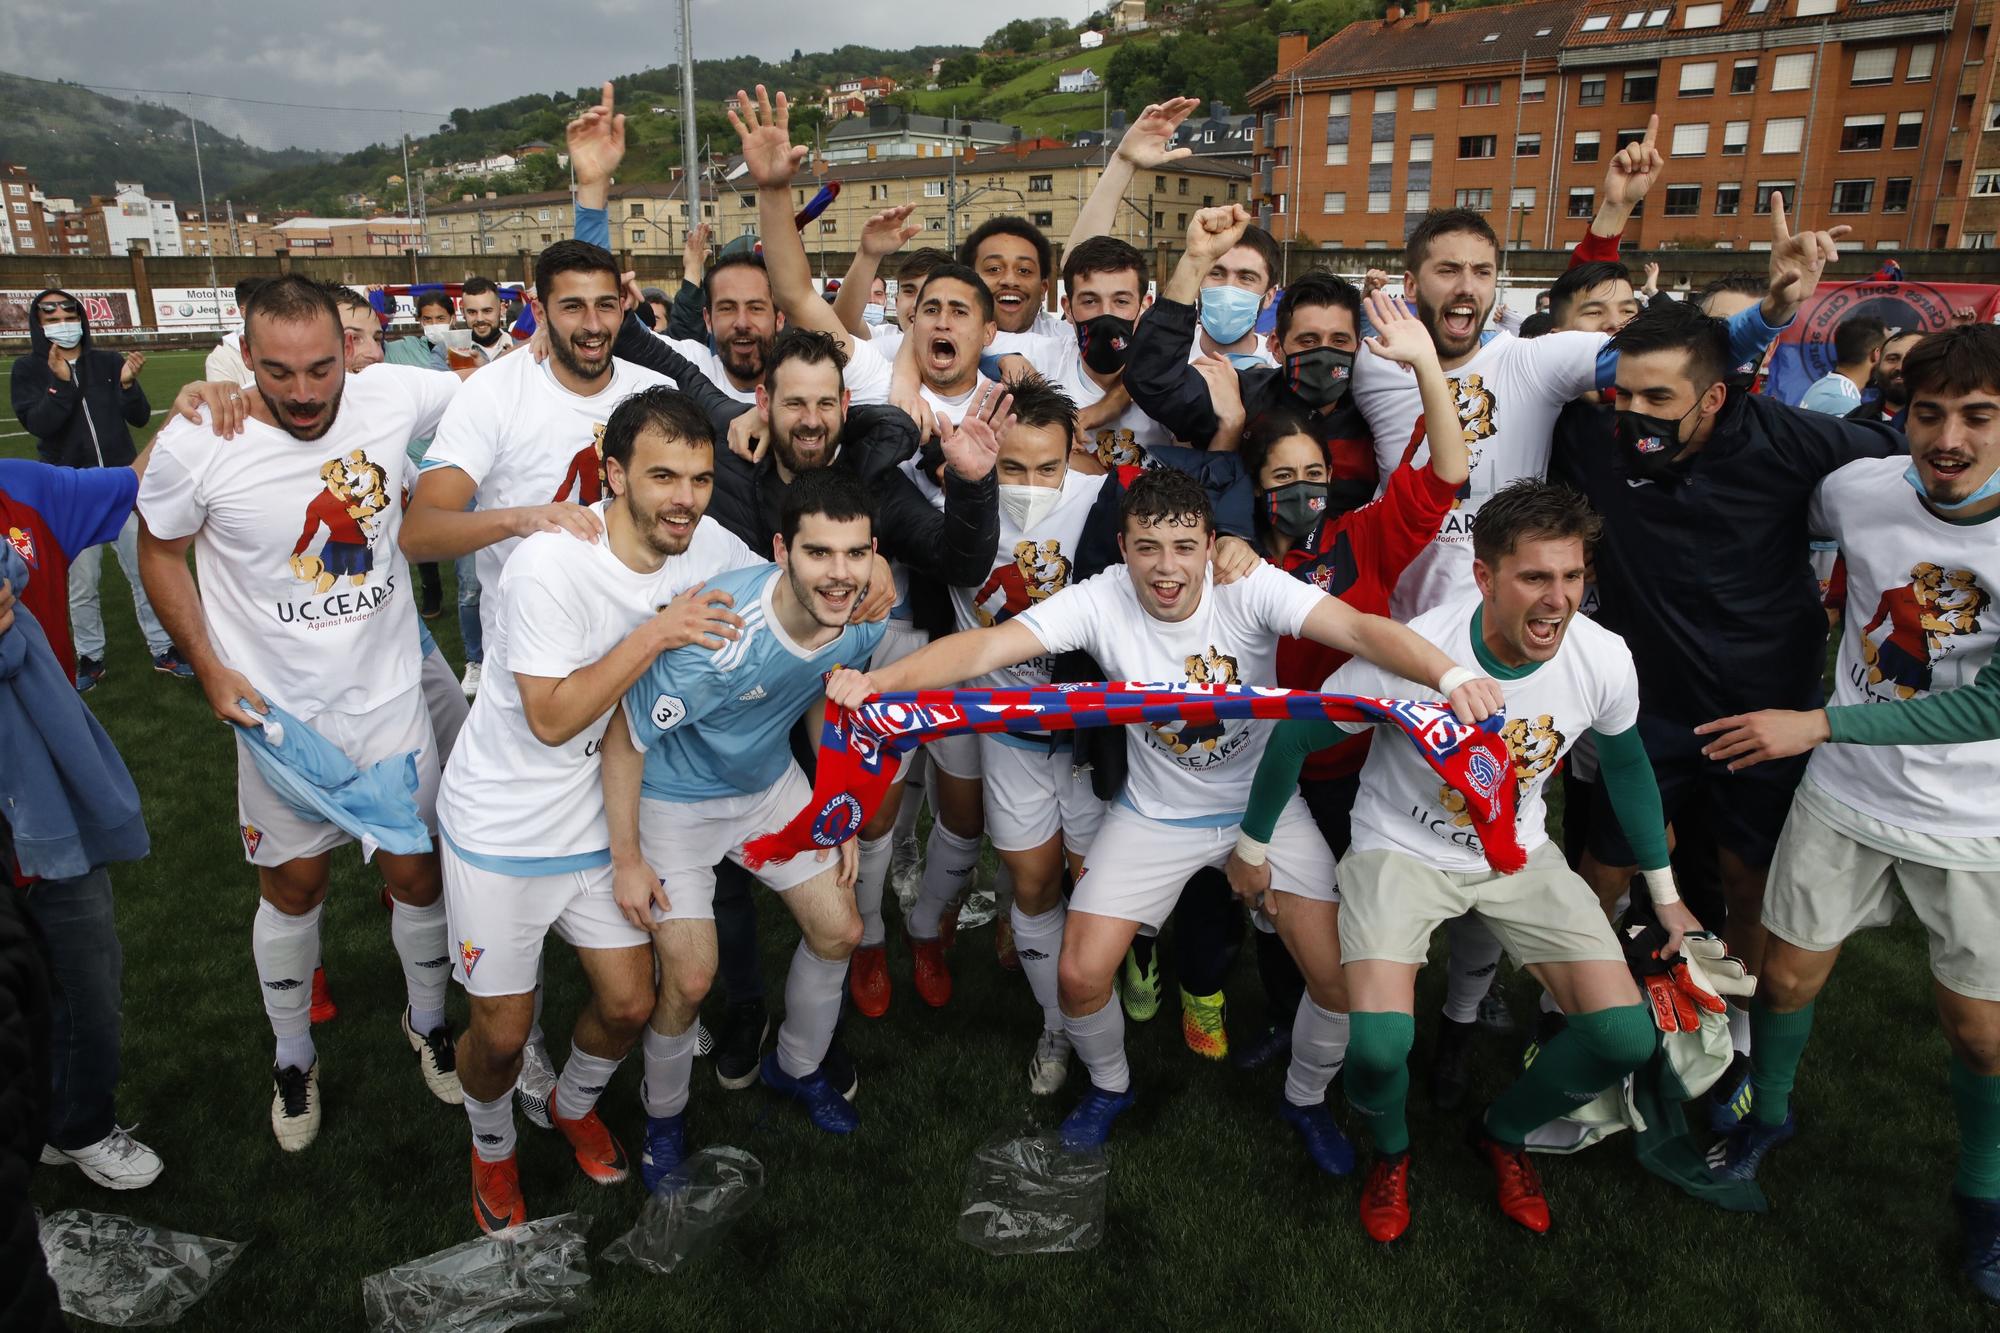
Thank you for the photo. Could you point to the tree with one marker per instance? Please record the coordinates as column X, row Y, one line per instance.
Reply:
column 957, row 70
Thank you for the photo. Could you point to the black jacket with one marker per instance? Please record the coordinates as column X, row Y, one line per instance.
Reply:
column 85, row 420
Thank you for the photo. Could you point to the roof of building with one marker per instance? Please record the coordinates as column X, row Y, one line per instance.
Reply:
column 1498, row 34
column 634, row 190
column 883, row 119
column 1737, row 16
column 985, row 164
column 325, row 224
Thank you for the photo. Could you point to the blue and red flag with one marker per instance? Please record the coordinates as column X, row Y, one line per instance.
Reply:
column 1804, row 351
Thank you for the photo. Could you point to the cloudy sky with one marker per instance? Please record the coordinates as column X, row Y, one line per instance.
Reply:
column 429, row 57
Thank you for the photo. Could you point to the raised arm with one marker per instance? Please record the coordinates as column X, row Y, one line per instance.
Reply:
column 596, row 147
column 1401, row 337
column 940, row 664
column 881, row 237
column 1158, row 375
column 1144, row 147
column 1402, row 652
column 1631, row 174
column 772, row 160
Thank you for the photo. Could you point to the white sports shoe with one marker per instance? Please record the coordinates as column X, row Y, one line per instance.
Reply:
column 471, row 682
column 1049, row 1067
column 438, row 1059
column 704, row 1040
column 536, row 1084
column 117, row 1161
column 295, row 1106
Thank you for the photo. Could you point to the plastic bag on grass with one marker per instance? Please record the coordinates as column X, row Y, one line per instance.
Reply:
column 124, row 1273
column 1031, row 1196
column 530, row 1274
column 691, row 1210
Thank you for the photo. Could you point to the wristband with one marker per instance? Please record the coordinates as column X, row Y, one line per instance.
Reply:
column 1454, row 678
column 1250, row 851
column 1660, row 886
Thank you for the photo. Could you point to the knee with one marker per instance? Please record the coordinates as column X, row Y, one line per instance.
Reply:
column 687, row 986
column 1976, row 1041
column 1329, row 993
column 1622, row 1037
column 291, row 896
column 1036, row 897
column 417, row 885
column 1378, row 1044
column 1079, row 991
column 1784, row 986
column 496, row 1043
column 626, row 1011
column 837, row 939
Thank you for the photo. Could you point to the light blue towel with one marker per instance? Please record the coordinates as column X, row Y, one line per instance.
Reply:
column 376, row 805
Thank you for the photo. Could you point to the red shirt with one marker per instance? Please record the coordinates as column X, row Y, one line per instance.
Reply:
column 51, row 514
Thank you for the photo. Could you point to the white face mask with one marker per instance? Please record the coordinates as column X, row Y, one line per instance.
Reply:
column 437, row 333
column 67, row 334
column 1026, row 506
column 874, row 314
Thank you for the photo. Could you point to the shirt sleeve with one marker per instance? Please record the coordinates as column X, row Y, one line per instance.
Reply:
column 676, row 688
column 1571, row 364
column 83, row 507
column 170, row 498
column 1627, row 777
column 1280, row 603
column 1394, row 529
column 1950, row 717
column 1750, row 334
column 468, row 435
column 1618, row 703
column 1072, row 619
column 1359, row 677
column 593, row 225
column 543, row 628
column 430, row 393
column 868, row 374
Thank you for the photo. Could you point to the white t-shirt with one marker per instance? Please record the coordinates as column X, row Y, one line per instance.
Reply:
column 1029, row 568
column 1920, row 619
column 568, row 603
column 1262, row 350
column 710, row 364
column 870, row 368
column 1509, row 395
column 1183, row 770
column 1121, row 442
column 225, row 363
column 303, row 588
column 886, row 339
column 1403, row 806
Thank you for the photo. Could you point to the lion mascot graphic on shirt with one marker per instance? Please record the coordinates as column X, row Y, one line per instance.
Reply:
column 1534, row 744
column 584, row 482
column 1118, row 448
column 1040, row 571
column 354, row 491
column 1475, row 414
column 1209, row 668
column 1921, row 618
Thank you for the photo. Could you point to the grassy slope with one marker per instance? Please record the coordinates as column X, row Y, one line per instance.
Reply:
column 1214, row 1218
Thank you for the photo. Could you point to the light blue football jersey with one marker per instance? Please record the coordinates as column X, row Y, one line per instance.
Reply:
column 713, row 722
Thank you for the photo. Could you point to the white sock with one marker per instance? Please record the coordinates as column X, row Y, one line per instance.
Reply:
column 1319, row 1048
column 582, row 1082
column 813, row 989
column 422, row 939
column 1099, row 1041
column 1474, row 962
column 492, row 1127
column 669, row 1064
column 948, row 862
column 285, row 948
column 1739, row 1030
column 868, row 882
column 1038, row 944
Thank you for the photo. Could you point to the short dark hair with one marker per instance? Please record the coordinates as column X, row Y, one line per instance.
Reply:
column 476, row 286
column 1267, row 250
column 1531, row 509
column 1264, row 431
column 1102, row 254
column 291, row 299
column 1007, row 225
column 1317, row 288
column 808, row 346
column 1741, row 283
column 1957, row 360
column 434, row 297
column 832, row 492
column 1537, row 324
column 1166, row 495
column 1040, row 404
column 1665, row 326
column 346, row 298
column 1444, row 222
column 247, row 288
column 970, row 277
column 660, row 407
column 1582, row 279
column 1857, row 336
column 740, row 259
column 918, row 263
column 571, row 257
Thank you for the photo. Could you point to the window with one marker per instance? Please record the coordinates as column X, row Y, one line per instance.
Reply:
column 1590, row 90
column 1626, row 138
column 1478, row 145
column 1181, row 185
column 1698, row 80
column 1977, row 240
column 16, row 190
column 1421, row 147
column 1045, row 184
column 1683, row 201
column 1337, row 104
column 1582, row 203
column 1784, row 135
column 937, row 224
column 1909, row 129
column 746, row 200
column 1921, row 58
column 1861, row 133
column 1736, row 138
column 1658, row 18
column 1159, row 219
column 1808, row 8
column 1523, row 197
column 1378, row 201
column 1479, row 201
column 1425, row 98
column 1334, row 202
column 638, row 236
column 542, row 216
column 1993, row 116
column 933, row 189
column 1534, row 90
column 1690, row 140
column 1416, row 201
column 1385, row 151
column 22, row 209
column 547, row 237
column 1743, row 77
column 1586, row 145
column 27, row 242
column 1876, row 65
column 1481, row 94
column 1986, row 183
column 1641, row 87
column 1044, row 218
column 1336, row 154
column 1597, row 23
column 1632, row 20
column 638, row 211
column 1702, row 16
column 1788, row 189
column 1159, row 185
column 1853, row 196
column 1232, row 192
column 1791, row 73
column 1728, row 200
column 1896, row 194
column 1528, row 145
column 1180, row 220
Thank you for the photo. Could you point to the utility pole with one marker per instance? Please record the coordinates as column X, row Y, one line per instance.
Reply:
column 688, row 160
column 410, row 208
column 194, row 132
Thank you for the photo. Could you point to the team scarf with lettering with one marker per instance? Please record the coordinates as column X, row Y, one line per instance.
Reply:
column 859, row 749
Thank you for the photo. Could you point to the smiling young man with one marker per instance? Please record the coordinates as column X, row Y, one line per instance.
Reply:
column 1014, row 260
column 486, row 317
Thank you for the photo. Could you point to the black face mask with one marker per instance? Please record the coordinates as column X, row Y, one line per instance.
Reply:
column 1319, row 378
column 1649, row 444
column 1105, row 343
column 1297, row 509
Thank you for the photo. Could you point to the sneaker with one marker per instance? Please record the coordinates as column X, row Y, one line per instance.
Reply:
column 744, row 1030
column 1049, row 1067
column 535, row 1084
column 826, row 1108
column 1979, row 1225
column 906, row 870
column 1325, row 1144
column 496, row 1194
column 323, row 1008
column 597, row 1150
column 1385, row 1198
column 89, row 671
column 1738, row 1156
column 1729, row 1100
column 666, row 1144
column 438, row 1059
column 295, row 1106
column 1089, row 1125
column 1003, row 944
column 704, row 1040
column 1139, row 981
column 838, row 1067
column 1451, row 1060
column 117, row 1161
column 1272, row 1045
column 930, row 971
column 1202, row 1025
column 1495, row 1016
column 1518, row 1185
column 868, row 980
column 170, row 663
column 470, row 683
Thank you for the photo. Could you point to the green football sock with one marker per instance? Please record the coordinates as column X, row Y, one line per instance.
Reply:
column 1776, row 1043
column 1592, row 1052
column 1378, row 1075
column 1976, row 1097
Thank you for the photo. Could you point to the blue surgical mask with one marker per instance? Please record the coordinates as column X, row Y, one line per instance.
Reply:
column 1986, row 492
column 873, row 314
column 1247, row 360
column 1228, row 313
column 66, row 334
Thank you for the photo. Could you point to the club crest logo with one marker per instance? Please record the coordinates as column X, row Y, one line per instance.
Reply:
column 1535, row 745
column 668, row 712
column 468, row 957
column 25, row 544
column 253, row 838
column 1484, row 773
column 836, row 821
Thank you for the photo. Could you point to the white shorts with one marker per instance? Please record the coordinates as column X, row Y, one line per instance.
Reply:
column 1136, row 867
column 274, row 833
column 683, row 841
column 1033, row 792
column 956, row 755
column 444, row 699
column 498, row 921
